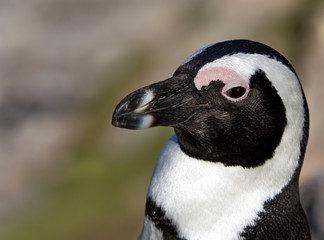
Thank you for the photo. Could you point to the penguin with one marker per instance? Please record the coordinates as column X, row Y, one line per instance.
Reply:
column 231, row 171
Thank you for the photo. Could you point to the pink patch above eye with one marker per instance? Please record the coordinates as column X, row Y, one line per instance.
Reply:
column 226, row 75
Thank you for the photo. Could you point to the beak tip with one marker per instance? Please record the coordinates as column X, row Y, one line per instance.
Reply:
column 130, row 112
column 133, row 121
column 115, row 122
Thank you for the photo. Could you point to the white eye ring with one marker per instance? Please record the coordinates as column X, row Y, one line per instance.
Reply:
column 235, row 92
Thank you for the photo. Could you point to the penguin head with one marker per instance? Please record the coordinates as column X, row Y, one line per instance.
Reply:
column 230, row 102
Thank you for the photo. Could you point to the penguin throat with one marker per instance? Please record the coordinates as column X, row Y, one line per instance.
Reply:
column 214, row 151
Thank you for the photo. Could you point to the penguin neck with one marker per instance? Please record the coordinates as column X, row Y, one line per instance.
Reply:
column 203, row 199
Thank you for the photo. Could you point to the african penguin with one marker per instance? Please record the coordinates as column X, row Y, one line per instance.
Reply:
column 231, row 171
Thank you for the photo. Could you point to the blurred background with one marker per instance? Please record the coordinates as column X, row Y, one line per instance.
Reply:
column 65, row 172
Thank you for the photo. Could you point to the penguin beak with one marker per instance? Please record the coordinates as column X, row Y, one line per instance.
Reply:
column 166, row 103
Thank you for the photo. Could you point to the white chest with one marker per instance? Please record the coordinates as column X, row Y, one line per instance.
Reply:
column 207, row 200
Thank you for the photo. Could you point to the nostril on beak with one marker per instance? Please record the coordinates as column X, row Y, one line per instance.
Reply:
column 134, row 102
column 144, row 101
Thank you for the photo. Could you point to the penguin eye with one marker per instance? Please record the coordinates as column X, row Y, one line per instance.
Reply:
column 235, row 93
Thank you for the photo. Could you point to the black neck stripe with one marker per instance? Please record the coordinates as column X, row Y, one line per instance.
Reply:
column 157, row 215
